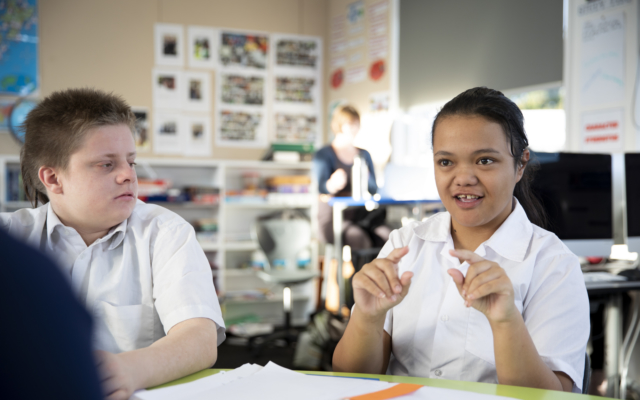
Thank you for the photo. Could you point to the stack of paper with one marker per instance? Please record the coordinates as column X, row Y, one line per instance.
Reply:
column 273, row 382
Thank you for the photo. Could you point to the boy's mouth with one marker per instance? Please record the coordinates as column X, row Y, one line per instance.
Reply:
column 125, row 195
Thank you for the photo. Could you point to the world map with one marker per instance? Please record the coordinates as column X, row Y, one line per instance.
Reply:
column 18, row 46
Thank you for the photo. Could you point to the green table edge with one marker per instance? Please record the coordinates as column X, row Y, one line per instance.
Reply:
column 517, row 392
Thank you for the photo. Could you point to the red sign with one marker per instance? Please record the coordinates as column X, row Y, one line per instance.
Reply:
column 377, row 70
column 336, row 78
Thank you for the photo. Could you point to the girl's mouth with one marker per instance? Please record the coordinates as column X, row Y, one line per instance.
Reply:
column 468, row 200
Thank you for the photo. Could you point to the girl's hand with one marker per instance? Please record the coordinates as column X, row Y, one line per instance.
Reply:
column 487, row 288
column 117, row 380
column 377, row 287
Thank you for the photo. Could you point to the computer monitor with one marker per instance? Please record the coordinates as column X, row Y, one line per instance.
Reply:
column 576, row 193
column 632, row 186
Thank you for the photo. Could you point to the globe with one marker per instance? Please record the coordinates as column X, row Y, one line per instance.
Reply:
column 18, row 115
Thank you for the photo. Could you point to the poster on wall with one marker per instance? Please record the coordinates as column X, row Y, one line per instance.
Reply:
column 243, row 50
column 197, row 134
column 19, row 74
column 141, row 134
column 241, row 88
column 201, row 47
column 169, row 48
column 300, row 90
column 378, row 30
column 602, row 131
column 196, row 91
column 296, row 127
column 167, row 132
column 602, row 60
column 241, row 127
column 167, row 88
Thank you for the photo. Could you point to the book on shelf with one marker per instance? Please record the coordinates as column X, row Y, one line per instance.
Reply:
column 15, row 187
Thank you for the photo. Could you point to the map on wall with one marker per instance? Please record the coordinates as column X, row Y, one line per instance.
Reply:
column 18, row 46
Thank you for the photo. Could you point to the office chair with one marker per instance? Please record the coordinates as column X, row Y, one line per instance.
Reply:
column 283, row 236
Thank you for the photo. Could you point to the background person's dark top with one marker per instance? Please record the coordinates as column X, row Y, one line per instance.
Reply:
column 45, row 339
column 326, row 162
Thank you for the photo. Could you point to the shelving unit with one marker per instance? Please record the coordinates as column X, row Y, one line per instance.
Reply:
column 235, row 220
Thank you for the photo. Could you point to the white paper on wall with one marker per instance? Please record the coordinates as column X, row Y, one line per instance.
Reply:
column 241, row 126
column 602, row 131
column 602, row 61
column 167, row 88
column 169, row 45
column 196, row 91
column 197, row 135
column 142, row 133
column 243, row 50
column 168, row 133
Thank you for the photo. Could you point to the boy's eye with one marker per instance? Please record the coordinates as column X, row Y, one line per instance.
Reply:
column 107, row 165
column 133, row 164
column 485, row 161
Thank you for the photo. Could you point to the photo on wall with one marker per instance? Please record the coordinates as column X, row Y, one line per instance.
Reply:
column 241, row 128
column 198, row 136
column 243, row 50
column 296, row 127
column 169, row 45
column 297, row 53
column 141, row 134
column 167, row 88
column 201, row 47
column 299, row 90
column 242, row 89
column 197, row 91
column 167, row 132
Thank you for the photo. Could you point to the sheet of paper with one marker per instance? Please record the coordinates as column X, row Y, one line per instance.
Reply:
column 167, row 88
column 168, row 135
column 197, row 135
column 202, row 47
column 196, row 91
column 169, row 45
column 204, row 385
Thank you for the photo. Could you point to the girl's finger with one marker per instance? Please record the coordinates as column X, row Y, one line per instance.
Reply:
column 458, row 278
column 364, row 282
column 396, row 255
column 466, row 255
column 389, row 269
column 494, row 286
column 380, row 279
column 473, row 271
column 491, row 274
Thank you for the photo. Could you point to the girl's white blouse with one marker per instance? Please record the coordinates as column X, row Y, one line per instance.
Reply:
column 434, row 335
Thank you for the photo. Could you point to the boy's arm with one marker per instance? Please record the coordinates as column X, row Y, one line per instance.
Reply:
column 189, row 346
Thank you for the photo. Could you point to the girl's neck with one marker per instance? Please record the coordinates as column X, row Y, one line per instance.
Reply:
column 345, row 152
column 471, row 237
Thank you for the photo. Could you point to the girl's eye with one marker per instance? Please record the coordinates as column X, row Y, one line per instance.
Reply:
column 485, row 161
column 444, row 163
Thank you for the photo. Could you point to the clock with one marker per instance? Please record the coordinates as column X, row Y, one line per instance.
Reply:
column 18, row 114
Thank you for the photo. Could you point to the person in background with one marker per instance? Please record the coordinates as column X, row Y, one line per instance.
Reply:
column 137, row 268
column 45, row 340
column 481, row 292
column 332, row 166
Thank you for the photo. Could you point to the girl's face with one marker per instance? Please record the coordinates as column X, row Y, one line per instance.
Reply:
column 348, row 132
column 99, row 188
column 475, row 171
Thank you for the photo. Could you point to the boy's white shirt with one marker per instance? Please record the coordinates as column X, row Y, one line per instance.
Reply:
column 146, row 275
column 435, row 336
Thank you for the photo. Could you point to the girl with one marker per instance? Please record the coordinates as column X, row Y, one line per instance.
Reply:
column 480, row 292
column 137, row 267
column 332, row 169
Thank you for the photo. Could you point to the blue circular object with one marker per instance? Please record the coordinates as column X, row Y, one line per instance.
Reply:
column 18, row 115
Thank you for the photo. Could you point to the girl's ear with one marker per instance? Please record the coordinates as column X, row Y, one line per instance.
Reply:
column 50, row 179
column 522, row 164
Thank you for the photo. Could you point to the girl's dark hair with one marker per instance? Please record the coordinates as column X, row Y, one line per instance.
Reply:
column 495, row 106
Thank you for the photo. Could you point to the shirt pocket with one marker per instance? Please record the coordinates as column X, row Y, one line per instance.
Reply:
column 123, row 328
column 480, row 336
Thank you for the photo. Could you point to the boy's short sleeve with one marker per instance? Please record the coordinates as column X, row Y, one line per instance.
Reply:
column 183, row 282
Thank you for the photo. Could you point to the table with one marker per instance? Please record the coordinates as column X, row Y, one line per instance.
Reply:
column 614, row 344
column 484, row 388
column 340, row 204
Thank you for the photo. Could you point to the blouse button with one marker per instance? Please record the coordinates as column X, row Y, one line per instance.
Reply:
column 444, row 317
column 437, row 372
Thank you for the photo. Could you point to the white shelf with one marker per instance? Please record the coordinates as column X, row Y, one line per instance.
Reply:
column 187, row 205
column 209, row 246
column 241, row 246
column 239, row 273
column 16, row 204
column 274, row 299
column 242, row 206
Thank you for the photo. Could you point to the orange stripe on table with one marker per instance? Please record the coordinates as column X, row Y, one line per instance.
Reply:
column 398, row 390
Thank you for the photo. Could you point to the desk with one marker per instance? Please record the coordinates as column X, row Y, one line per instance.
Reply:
column 484, row 388
column 339, row 204
column 614, row 344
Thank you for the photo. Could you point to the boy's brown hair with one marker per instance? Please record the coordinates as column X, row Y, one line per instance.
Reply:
column 343, row 115
column 56, row 127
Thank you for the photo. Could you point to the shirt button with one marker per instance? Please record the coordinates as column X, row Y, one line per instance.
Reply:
column 437, row 372
column 444, row 317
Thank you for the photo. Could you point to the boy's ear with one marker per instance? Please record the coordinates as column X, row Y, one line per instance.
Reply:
column 50, row 179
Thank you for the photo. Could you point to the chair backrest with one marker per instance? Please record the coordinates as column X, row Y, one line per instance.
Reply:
column 282, row 238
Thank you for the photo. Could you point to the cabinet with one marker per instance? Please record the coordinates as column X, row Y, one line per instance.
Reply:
column 230, row 251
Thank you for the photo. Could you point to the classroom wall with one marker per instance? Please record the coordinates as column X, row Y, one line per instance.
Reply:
column 108, row 44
